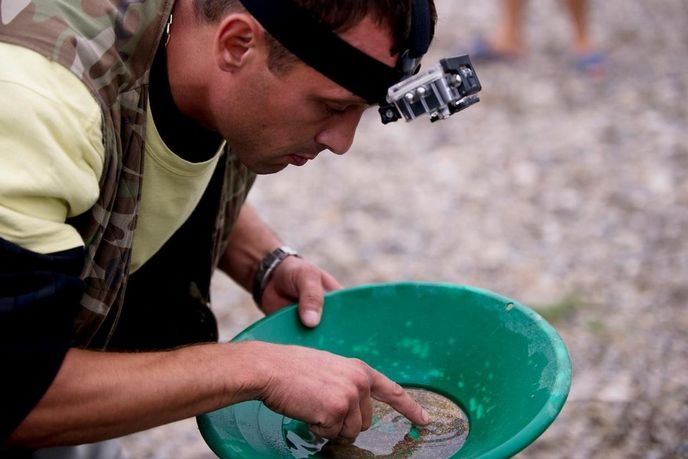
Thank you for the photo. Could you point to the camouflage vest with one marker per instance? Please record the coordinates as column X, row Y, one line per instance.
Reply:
column 110, row 45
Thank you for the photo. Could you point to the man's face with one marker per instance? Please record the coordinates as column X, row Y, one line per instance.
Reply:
column 291, row 118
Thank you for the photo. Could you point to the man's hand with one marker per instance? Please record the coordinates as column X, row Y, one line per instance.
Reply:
column 298, row 280
column 333, row 394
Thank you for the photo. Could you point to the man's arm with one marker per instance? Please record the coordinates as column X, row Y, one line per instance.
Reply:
column 294, row 280
column 99, row 395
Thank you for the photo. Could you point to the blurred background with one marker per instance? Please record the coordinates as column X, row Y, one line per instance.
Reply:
column 564, row 192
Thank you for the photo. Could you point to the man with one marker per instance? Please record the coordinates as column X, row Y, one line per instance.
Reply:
column 130, row 134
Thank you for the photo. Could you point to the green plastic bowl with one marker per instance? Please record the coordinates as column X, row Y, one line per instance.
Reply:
column 500, row 361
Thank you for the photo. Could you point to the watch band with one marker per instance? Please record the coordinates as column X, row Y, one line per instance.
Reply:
column 267, row 267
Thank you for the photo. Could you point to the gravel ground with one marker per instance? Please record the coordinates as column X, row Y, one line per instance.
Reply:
column 567, row 194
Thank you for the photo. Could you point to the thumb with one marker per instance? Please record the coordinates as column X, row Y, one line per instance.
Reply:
column 310, row 311
column 311, row 303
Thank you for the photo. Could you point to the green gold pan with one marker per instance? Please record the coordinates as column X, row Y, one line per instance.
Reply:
column 500, row 361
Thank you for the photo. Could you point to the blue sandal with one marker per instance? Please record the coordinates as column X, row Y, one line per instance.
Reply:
column 593, row 64
column 482, row 51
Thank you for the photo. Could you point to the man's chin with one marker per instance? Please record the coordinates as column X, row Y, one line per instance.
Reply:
column 260, row 168
column 267, row 169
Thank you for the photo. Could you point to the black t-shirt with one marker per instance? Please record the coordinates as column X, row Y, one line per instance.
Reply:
column 39, row 297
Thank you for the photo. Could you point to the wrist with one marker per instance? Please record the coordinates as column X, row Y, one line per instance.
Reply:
column 266, row 268
column 257, row 370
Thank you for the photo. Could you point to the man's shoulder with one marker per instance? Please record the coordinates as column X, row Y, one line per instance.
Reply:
column 31, row 72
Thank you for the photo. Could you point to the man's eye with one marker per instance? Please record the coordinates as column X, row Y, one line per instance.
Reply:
column 334, row 109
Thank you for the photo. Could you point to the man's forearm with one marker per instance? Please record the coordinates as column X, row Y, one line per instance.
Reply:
column 96, row 396
column 99, row 395
column 250, row 240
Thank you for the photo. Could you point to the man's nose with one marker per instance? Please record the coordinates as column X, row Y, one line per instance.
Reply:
column 338, row 135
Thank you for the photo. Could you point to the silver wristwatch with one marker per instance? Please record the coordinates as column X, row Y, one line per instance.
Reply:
column 267, row 267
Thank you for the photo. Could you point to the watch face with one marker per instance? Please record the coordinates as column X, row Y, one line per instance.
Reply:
column 288, row 250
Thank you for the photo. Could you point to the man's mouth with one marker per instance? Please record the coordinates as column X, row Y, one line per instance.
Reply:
column 300, row 160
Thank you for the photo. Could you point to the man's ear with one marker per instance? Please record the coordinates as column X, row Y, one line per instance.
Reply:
column 238, row 36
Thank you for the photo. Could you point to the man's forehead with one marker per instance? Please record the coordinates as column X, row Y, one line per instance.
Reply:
column 359, row 59
column 372, row 38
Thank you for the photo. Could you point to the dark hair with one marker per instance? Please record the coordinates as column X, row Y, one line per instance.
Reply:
column 338, row 15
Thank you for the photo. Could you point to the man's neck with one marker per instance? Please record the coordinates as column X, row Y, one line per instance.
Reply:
column 182, row 134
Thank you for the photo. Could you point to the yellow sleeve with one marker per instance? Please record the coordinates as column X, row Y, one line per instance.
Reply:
column 51, row 151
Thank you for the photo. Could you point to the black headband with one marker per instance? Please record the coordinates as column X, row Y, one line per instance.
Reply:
column 321, row 48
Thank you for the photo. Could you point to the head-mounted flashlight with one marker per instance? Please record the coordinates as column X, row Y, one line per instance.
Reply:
column 442, row 90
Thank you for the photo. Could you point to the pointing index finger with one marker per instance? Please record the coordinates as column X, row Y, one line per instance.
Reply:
column 391, row 393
